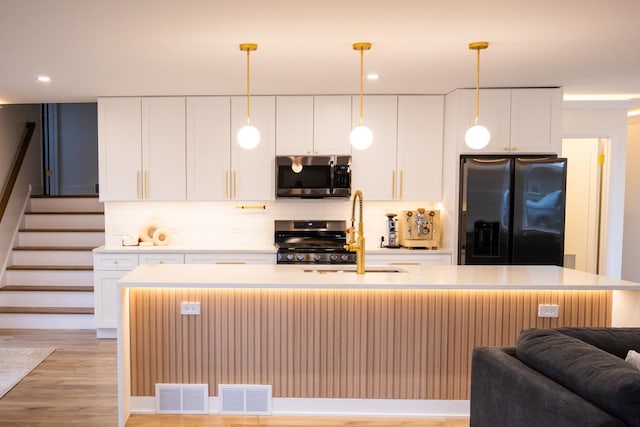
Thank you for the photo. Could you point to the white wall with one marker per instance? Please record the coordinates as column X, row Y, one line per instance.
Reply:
column 631, row 244
column 221, row 225
column 605, row 120
column 13, row 119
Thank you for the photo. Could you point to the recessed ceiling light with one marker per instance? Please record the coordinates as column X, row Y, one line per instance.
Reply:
column 373, row 76
column 44, row 79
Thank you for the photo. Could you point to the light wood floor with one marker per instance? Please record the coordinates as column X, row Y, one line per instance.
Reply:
column 76, row 386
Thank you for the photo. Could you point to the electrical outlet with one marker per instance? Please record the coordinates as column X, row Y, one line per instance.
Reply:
column 548, row 310
column 190, row 308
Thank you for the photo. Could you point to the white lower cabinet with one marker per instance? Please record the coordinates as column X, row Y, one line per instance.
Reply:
column 230, row 258
column 108, row 268
column 412, row 258
column 155, row 258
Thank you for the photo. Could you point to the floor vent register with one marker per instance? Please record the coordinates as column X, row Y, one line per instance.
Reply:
column 250, row 399
column 182, row 398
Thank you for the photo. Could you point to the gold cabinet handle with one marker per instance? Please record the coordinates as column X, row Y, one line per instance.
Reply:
column 393, row 183
column 401, row 185
column 138, row 179
column 514, row 148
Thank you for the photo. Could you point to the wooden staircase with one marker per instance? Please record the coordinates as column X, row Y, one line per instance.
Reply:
column 49, row 282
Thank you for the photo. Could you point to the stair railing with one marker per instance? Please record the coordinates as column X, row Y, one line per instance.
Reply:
column 15, row 168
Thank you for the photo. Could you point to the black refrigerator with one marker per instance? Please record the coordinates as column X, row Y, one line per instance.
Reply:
column 512, row 210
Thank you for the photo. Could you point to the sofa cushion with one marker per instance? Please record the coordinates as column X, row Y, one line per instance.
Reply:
column 616, row 341
column 602, row 378
column 507, row 393
column 633, row 358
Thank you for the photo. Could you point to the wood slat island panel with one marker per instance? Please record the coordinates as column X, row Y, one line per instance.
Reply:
column 326, row 343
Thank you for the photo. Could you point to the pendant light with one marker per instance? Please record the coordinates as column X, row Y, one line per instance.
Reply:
column 477, row 136
column 248, row 136
column 361, row 136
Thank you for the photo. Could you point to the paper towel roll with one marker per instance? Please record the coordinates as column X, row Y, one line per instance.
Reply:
column 160, row 237
column 147, row 230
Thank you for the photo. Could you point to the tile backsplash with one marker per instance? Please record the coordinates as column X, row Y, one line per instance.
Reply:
column 220, row 225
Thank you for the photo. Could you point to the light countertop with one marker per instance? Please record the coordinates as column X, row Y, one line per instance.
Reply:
column 267, row 276
column 270, row 249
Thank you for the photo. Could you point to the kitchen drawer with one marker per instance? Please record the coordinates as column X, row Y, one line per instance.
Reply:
column 161, row 258
column 231, row 258
column 413, row 258
column 115, row 261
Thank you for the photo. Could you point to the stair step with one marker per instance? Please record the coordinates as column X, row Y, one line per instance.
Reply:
column 46, row 321
column 58, row 230
column 54, row 238
column 63, row 220
column 68, row 196
column 46, row 288
column 51, row 267
column 47, row 310
column 48, row 277
column 49, row 257
column 65, row 203
column 65, row 213
column 54, row 248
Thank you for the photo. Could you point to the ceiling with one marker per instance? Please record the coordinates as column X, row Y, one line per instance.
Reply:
column 94, row 48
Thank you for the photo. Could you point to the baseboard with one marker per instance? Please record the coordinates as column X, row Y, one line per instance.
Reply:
column 341, row 407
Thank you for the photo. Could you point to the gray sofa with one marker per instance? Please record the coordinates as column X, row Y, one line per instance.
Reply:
column 573, row 377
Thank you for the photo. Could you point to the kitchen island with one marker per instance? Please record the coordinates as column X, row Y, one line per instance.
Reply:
column 396, row 340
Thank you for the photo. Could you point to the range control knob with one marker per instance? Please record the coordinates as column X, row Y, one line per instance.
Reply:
column 289, row 257
column 300, row 257
column 345, row 257
column 333, row 257
column 316, row 257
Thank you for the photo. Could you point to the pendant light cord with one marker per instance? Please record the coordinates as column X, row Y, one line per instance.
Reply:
column 475, row 121
column 249, row 87
column 361, row 83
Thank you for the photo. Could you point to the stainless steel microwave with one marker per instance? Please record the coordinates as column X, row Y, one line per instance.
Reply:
column 313, row 176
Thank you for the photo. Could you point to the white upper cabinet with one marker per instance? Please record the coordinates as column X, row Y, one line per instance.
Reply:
column 495, row 115
column 253, row 171
column 120, row 148
column 536, row 120
column 332, row 124
column 420, row 144
column 294, row 125
column 142, row 148
column 163, row 148
column 520, row 120
column 208, row 147
column 308, row 125
column 404, row 161
column 374, row 169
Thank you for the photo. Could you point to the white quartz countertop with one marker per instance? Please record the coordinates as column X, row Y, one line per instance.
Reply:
column 262, row 276
column 271, row 249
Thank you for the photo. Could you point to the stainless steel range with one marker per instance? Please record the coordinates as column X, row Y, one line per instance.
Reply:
column 312, row 242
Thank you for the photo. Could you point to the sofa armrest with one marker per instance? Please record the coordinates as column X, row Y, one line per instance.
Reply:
column 506, row 392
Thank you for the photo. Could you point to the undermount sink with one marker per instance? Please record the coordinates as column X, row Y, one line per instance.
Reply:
column 352, row 269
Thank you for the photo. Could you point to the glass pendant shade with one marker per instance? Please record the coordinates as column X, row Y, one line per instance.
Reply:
column 361, row 137
column 477, row 137
column 248, row 137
